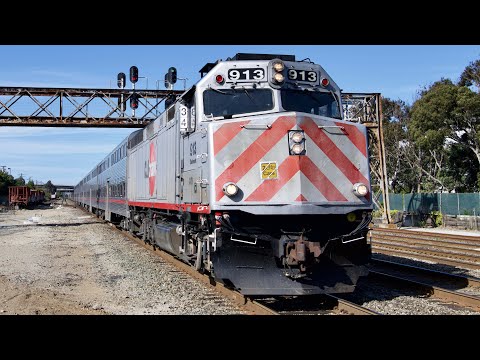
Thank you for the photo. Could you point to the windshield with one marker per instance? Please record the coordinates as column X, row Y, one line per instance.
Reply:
column 318, row 103
column 228, row 102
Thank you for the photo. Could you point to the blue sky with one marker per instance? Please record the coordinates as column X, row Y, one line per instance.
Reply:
column 65, row 155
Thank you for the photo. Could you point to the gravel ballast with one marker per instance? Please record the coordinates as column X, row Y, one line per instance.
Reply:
column 63, row 261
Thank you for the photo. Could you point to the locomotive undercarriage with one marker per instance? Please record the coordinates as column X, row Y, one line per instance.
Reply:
column 267, row 255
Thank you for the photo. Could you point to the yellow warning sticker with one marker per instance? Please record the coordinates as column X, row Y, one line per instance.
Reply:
column 268, row 170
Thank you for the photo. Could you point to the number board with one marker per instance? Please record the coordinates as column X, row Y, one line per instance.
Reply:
column 246, row 74
column 183, row 117
column 302, row 75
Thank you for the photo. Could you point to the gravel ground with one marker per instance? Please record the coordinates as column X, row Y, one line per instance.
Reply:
column 63, row 261
column 390, row 301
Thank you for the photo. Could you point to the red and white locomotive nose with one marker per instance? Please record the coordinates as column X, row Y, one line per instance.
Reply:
column 290, row 159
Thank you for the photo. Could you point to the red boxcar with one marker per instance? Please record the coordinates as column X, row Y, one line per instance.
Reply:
column 24, row 196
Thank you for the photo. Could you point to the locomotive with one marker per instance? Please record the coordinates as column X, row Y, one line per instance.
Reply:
column 252, row 175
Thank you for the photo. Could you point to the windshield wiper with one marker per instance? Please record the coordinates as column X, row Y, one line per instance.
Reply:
column 249, row 96
column 338, row 104
column 219, row 91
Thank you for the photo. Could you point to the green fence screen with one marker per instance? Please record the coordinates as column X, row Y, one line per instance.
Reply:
column 450, row 204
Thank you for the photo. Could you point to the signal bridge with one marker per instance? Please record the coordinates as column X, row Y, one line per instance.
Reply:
column 30, row 106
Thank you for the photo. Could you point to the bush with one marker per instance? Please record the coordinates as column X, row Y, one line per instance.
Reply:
column 437, row 218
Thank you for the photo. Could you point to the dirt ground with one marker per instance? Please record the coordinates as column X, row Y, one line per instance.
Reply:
column 61, row 260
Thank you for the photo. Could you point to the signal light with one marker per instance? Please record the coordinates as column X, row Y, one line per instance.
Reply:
column 324, row 82
column 219, row 79
column 134, row 101
column 121, row 80
column 172, row 75
column 133, row 74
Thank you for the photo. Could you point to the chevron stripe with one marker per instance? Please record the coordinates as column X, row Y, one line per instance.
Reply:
column 252, row 179
column 268, row 189
column 225, row 134
column 287, row 170
column 257, row 149
column 320, row 181
column 332, row 151
column 356, row 137
column 299, row 183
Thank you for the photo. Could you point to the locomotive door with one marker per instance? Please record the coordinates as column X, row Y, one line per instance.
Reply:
column 194, row 160
column 193, row 156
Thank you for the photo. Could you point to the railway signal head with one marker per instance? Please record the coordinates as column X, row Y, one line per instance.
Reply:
column 172, row 75
column 121, row 80
column 134, row 101
column 133, row 74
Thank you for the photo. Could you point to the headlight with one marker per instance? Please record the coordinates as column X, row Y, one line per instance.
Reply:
column 230, row 189
column 297, row 149
column 360, row 189
column 297, row 137
column 279, row 78
column 278, row 66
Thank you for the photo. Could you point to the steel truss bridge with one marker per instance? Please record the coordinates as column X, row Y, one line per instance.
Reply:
column 61, row 107
column 80, row 107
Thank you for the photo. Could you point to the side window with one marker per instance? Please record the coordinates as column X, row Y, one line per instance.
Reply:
column 170, row 113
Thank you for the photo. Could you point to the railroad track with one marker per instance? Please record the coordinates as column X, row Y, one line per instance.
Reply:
column 330, row 304
column 251, row 305
column 324, row 304
column 455, row 250
column 440, row 293
column 452, row 281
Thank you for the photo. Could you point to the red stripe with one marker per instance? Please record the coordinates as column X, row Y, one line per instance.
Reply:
column 203, row 209
column 356, row 137
column 319, row 180
column 114, row 201
column 254, row 153
column 332, row 151
column 301, row 198
column 268, row 188
column 186, row 207
column 225, row 134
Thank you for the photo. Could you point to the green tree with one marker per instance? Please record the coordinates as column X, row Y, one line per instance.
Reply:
column 30, row 183
column 6, row 180
column 395, row 126
column 20, row 181
column 49, row 187
column 446, row 114
column 471, row 75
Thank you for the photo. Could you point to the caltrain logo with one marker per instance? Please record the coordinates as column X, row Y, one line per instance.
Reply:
column 152, row 169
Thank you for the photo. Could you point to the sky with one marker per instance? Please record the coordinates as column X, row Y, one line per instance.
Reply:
column 66, row 155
